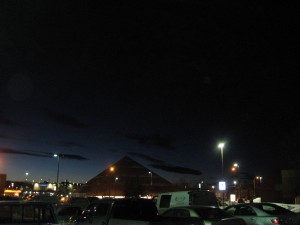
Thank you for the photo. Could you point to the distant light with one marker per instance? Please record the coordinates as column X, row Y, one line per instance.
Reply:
column 112, row 169
column 232, row 198
column 55, row 155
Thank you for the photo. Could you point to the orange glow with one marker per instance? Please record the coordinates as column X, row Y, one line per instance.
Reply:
column 14, row 192
column 233, row 169
column 112, row 169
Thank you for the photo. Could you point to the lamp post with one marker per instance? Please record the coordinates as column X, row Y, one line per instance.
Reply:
column 26, row 176
column 116, row 179
column 150, row 177
column 221, row 146
column 254, row 184
column 57, row 176
column 235, row 168
column 110, row 184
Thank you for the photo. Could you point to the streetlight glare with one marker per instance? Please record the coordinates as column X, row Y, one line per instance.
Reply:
column 221, row 145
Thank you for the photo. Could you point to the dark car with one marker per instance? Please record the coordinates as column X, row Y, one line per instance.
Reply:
column 93, row 213
column 64, row 212
column 29, row 213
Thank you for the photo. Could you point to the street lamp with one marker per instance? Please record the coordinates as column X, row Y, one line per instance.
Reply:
column 110, row 179
column 150, row 177
column 221, row 146
column 115, row 185
column 254, row 182
column 26, row 175
column 235, row 168
column 57, row 176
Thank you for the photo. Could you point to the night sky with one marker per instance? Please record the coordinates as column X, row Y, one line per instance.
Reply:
column 160, row 81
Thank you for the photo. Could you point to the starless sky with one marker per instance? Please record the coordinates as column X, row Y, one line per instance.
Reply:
column 160, row 81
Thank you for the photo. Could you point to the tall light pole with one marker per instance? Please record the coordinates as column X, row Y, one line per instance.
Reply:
column 150, row 177
column 221, row 146
column 254, row 182
column 57, row 176
column 111, row 172
column 115, row 185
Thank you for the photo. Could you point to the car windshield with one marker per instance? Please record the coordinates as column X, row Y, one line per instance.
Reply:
column 212, row 213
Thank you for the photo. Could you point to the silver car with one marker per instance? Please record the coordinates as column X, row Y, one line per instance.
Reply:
column 207, row 215
column 261, row 213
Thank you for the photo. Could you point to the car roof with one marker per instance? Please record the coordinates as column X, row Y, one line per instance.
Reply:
column 195, row 207
column 259, row 204
column 24, row 203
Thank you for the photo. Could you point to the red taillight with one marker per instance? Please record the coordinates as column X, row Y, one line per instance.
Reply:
column 275, row 221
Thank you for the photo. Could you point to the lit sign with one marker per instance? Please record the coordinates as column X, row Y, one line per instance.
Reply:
column 222, row 185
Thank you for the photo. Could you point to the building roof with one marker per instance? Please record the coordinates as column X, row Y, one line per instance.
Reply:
column 126, row 177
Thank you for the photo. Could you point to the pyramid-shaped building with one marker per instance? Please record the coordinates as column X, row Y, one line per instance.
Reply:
column 127, row 178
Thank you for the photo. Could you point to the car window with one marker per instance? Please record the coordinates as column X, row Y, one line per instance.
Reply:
column 135, row 210
column 69, row 211
column 212, row 213
column 245, row 211
column 101, row 209
column 231, row 210
column 26, row 213
column 169, row 213
column 165, row 201
column 273, row 209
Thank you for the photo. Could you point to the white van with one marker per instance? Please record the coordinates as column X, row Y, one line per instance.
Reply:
column 185, row 198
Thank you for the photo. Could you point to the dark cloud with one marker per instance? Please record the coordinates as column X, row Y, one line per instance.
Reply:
column 71, row 156
column 40, row 154
column 13, row 151
column 72, row 144
column 61, row 155
column 65, row 119
column 146, row 157
column 176, row 169
column 152, row 140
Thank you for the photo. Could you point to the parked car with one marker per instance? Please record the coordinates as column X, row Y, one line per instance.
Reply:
column 64, row 212
column 29, row 213
column 262, row 213
column 168, row 200
column 131, row 211
column 206, row 215
column 94, row 213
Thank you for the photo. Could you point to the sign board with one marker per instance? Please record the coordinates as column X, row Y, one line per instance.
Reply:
column 222, row 185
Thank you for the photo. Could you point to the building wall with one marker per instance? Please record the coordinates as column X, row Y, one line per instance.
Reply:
column 290, row 185
column 2, row 183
